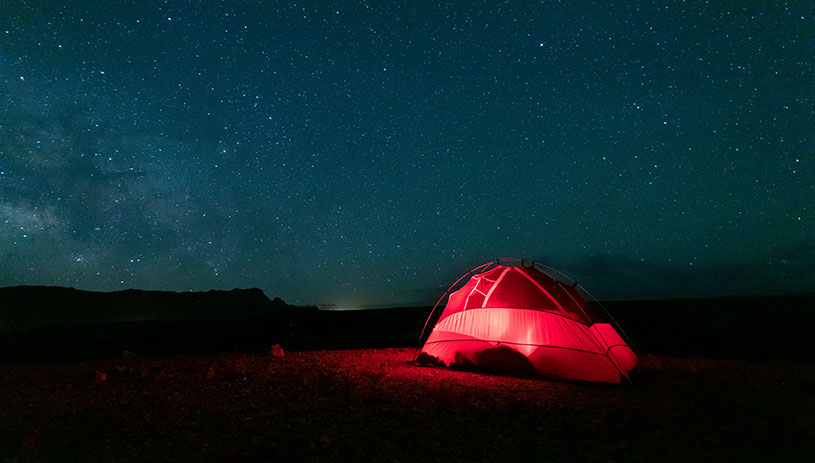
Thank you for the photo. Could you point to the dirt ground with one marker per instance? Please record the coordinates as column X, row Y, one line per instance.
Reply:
column 373, row 405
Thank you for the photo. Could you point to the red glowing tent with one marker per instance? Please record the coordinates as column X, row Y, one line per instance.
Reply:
column 517, row 316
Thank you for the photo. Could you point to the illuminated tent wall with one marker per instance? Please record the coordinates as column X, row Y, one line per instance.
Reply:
column 514, row 317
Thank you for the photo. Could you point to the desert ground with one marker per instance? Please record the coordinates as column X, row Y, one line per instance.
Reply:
column 373, row 405
column 156, row 376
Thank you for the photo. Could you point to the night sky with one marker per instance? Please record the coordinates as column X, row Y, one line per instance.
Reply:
column 369, row 153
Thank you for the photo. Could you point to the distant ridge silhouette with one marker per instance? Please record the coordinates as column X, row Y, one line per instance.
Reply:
column 30, row 307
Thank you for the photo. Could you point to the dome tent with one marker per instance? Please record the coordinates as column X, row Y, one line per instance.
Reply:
column 517, row 316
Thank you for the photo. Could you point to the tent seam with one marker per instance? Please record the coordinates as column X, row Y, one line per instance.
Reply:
column 537, row 285
column 494, row 285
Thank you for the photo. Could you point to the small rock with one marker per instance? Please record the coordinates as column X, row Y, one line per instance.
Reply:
column 128, row 354
column 277, row 351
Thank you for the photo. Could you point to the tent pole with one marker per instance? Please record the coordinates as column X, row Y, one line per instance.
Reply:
column 471, row 272
column 603, row 309
column 619, row 328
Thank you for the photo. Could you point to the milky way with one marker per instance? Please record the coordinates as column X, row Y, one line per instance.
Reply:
column 369, row 153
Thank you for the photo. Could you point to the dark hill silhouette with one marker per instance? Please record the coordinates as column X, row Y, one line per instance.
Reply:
column 31, row 307
column 56, row 323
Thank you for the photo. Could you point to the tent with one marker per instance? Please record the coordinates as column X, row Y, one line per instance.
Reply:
column 517, row 316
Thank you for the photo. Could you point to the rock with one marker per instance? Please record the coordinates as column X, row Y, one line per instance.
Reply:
column 277, row 351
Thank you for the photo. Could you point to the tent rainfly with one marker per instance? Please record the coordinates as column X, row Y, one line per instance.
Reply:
column 514, row 316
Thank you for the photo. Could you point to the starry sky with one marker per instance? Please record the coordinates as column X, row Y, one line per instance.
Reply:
column 369, row 153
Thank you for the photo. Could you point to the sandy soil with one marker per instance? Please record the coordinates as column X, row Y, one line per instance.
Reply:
column 372, row 405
